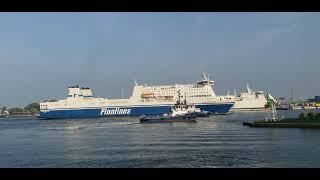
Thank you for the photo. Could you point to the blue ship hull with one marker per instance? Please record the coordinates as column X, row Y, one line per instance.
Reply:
column 126, row 111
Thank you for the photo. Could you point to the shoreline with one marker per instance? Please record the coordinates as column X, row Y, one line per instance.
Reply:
column 281, row 125
column 301, row 122
column 17, row 116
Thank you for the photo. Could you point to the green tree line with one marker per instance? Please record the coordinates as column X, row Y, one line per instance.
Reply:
column 32, row 108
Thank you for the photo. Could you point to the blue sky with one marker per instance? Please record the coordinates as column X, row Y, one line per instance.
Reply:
column 43, row 53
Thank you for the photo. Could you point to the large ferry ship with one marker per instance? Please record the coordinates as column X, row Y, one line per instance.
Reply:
column 250, row 100
column 145, row 100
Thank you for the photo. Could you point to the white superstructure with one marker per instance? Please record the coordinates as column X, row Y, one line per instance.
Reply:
column 201, row 92
column 250, row 100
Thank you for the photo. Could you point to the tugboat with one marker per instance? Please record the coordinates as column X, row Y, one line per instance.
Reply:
column 180, row 112
column 201, row 113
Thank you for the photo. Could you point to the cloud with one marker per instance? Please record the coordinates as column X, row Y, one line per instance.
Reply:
column 268, row 36
column 200, row 19
column 287, row 18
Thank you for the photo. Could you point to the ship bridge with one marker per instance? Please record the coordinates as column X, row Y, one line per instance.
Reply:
column 77, row 92
column 77, row 97
column 205, row 81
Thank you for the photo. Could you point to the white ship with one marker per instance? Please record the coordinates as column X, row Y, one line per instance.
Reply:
column 145, row 100
column 250, row 100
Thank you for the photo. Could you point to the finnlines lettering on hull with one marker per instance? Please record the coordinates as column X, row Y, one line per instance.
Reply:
column 106, row 111
column 145, row 100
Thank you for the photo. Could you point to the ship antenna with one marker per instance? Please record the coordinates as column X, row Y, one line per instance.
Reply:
column 135, row 81
column 185, row 98
column 204, row 76
column 209, row 76
column 248, row 88
column 122, row 93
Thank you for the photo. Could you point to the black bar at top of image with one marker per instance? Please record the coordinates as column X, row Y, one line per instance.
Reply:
column 157, row 5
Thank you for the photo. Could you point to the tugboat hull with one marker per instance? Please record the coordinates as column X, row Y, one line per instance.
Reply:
column 201, row 114
column 168, row 119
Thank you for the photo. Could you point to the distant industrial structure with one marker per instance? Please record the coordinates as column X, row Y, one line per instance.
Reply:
column 284, row 104
column 315, row 99
column 4, row 112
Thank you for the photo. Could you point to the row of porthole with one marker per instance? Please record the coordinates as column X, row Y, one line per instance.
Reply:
column 188, row 93
column 194, row 89
column 168, row 92
column 200, row 96
column 175, row 90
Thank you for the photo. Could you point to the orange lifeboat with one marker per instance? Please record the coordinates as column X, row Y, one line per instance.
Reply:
column 147, row 95
column 168, row 97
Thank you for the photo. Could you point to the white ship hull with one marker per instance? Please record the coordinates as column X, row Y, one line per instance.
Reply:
column 250, row 101
column 145, row 100
column 249, row 105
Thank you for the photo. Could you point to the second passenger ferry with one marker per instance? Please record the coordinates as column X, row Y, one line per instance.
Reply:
column 145, row 100
column 250, row 101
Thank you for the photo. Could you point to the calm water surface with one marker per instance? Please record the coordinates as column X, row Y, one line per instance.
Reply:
column 217, row 141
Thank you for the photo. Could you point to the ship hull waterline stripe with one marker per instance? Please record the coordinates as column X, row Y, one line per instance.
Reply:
column 133, row 106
